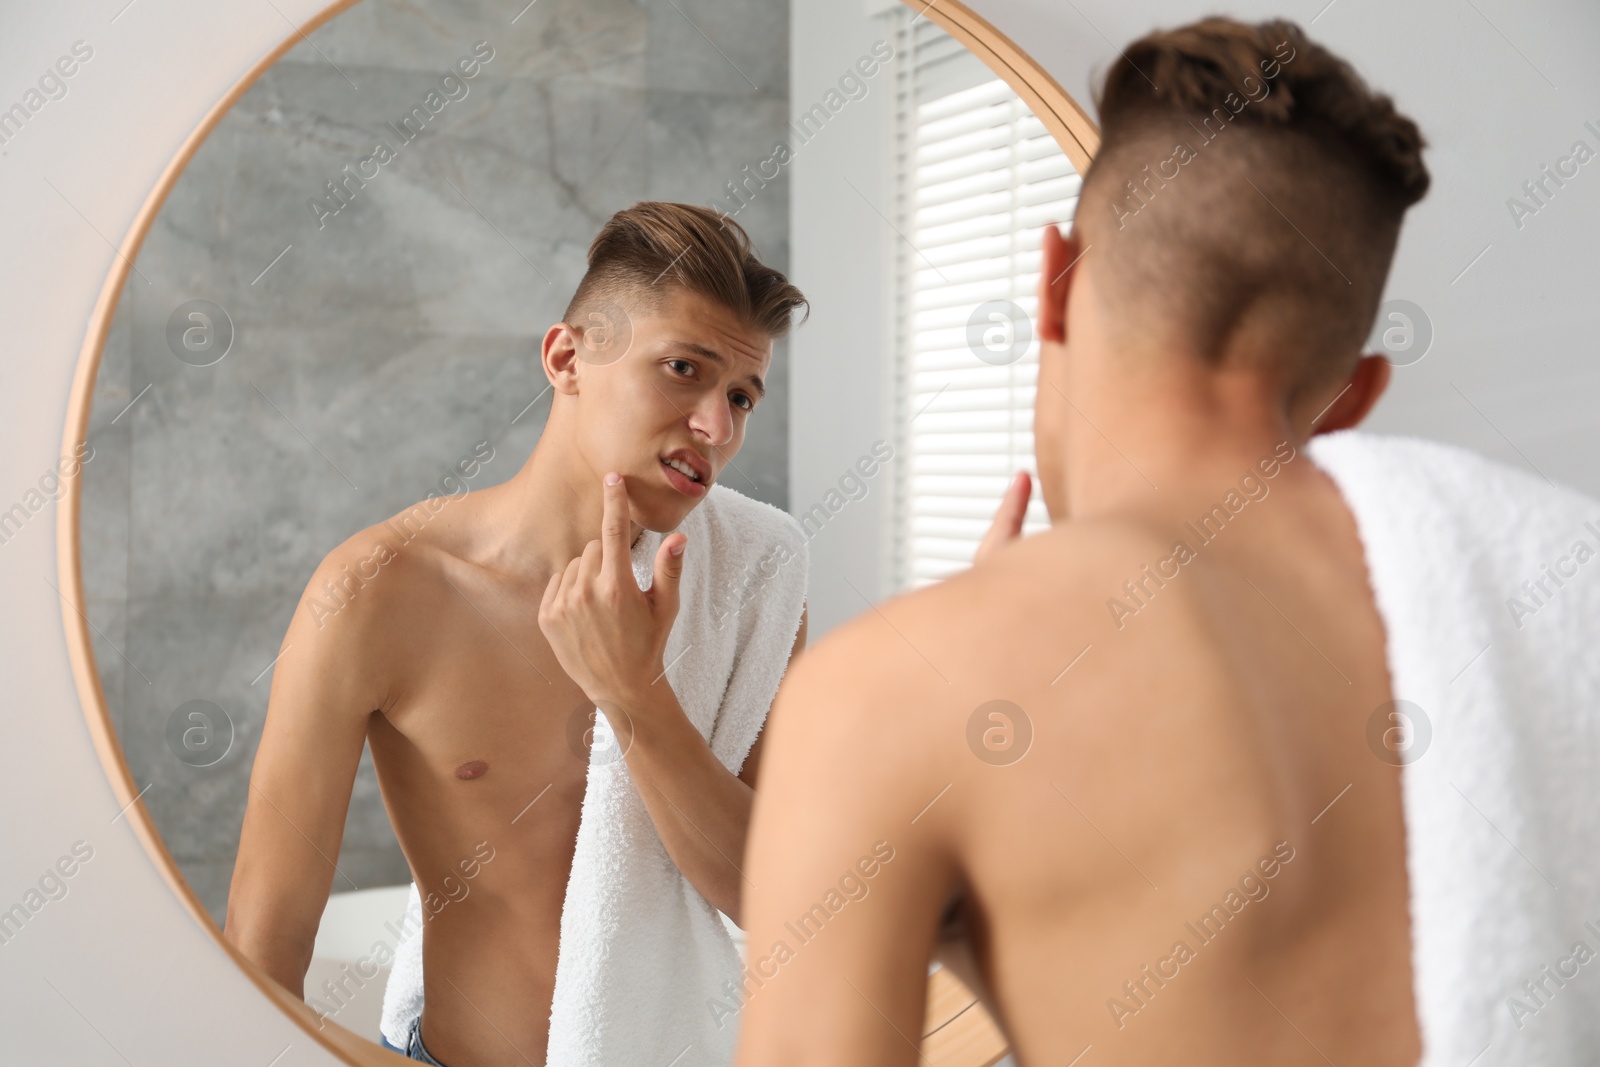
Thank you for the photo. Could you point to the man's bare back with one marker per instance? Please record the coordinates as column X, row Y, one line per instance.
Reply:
column 1124, row 765
column 1208, row 754
column 1189, row 752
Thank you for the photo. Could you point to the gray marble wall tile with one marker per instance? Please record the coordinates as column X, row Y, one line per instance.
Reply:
column 699, row 142
column 103, row 523
column 603, row 40
column 728, row 47
column 376, row 345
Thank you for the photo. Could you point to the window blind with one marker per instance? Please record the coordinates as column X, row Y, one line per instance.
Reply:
column 977, row 178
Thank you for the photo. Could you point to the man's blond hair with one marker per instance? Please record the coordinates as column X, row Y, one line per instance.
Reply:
column 646, row 251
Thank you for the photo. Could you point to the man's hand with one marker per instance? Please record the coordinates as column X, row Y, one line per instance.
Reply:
column 1007, row 525
column 610, row 637
column 608, row 634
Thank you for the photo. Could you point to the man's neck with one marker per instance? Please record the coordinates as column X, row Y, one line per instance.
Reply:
column 1151, row 440
column 545, row 514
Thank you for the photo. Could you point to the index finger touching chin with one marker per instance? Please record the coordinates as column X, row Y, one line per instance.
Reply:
column 616, row 553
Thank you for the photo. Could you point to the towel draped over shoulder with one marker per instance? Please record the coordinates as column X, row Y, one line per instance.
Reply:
column 1497, row 664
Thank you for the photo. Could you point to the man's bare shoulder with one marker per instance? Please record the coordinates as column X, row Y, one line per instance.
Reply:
column 1069, row 569
column 340, row 652
column 380, row 578
column 1061, row 579
column 900, row 681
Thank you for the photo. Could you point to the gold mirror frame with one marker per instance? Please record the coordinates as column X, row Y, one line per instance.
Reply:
column 957, row 1032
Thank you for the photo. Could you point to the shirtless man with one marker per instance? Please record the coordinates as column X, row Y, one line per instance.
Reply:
column 1169, row 843
column 494, row 621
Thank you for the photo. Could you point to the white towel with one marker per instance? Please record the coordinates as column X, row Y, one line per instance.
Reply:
column 1502, row 807
column 642, row 955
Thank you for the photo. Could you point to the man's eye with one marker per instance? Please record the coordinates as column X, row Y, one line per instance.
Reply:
column 748, row 405
column 676, row 362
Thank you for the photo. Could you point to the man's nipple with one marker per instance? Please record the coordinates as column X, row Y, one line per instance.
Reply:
column 472, row 769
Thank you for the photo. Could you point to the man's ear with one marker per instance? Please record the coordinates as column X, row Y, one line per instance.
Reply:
column 1356, row 397
column 1060, row 254
column 560, row 358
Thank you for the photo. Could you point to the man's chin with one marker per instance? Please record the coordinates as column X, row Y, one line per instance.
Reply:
column 665, row 516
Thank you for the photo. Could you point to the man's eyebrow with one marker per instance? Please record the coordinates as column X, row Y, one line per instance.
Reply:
column 756, row 385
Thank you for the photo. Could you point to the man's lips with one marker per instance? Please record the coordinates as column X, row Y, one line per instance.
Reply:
column 682, row 482
column 692, row 459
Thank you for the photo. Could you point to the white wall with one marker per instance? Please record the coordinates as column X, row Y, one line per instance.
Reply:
column 117, row 972
column 841, row 253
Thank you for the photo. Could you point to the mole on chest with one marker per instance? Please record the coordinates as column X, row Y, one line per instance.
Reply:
column 472, row 769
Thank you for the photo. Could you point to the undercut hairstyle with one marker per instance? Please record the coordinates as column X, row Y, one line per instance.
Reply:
column 646, row 251
column 1247, row 196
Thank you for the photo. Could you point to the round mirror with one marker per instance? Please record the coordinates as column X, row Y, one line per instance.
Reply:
column 334, row 324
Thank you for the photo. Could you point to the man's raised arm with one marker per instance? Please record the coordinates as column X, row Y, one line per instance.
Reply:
column 837, row 840
column 610, row 637
column 323, row 692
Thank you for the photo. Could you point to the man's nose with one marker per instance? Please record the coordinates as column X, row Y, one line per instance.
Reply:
column 712, row 416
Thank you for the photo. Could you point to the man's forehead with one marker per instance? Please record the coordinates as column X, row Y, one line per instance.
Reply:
column 708, row 329
column 732, row 353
